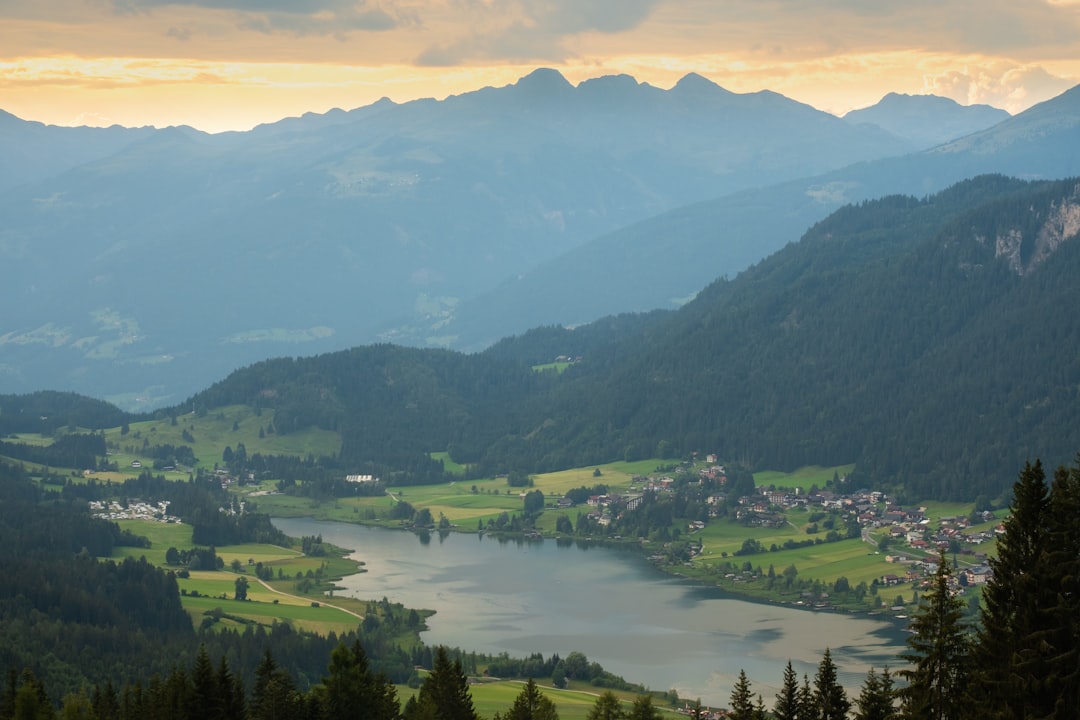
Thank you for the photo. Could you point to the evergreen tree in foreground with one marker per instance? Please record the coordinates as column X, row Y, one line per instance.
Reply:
column 742, row 700
column 530, row 704
column 643, row 709
column 1061, row 639
column 875, row 702
column 830, row 700
column 1012, row 599
column 606, row 707
column 351, row 690
column 1026, row 658
column 938, row 673
column 787, row 700
column 444, row 694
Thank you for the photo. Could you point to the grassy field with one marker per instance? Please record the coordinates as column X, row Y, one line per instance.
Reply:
column 552, row 366
column 284, row 602
column 497, row 696
column 212, row 433
column 464, row 502
column 803, row 478
column 448, row 465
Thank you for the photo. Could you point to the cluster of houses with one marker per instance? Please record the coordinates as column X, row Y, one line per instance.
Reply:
column 605, row 507
column 914, row 537
column 135, row 509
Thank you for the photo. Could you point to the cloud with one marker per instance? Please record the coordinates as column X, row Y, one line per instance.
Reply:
column 314, row 17
column 524, row 30
column 1001, row 84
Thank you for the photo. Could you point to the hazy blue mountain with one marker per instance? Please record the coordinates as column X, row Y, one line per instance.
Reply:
column 33, row 151
column 150, row 266
column 662, row 261
column 927, row 120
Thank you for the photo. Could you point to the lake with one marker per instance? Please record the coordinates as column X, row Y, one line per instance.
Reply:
column 609, row 603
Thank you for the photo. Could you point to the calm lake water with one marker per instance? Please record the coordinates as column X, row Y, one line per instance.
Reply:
column 496, row 596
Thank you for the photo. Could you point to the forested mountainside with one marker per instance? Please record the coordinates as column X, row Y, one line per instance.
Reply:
column 660, row 262
column 929, row 341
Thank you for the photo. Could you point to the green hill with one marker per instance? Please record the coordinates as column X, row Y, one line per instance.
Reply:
column 931, row 342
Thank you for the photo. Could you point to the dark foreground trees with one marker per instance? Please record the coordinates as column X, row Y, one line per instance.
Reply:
column 530, row 704
column 444, row 695
column 938, row 659
column 1025, row 658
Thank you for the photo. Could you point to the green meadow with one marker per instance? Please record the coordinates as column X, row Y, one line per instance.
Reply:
column 574, row 703
column 212, row 433
column 282, row 602
column 803, row 478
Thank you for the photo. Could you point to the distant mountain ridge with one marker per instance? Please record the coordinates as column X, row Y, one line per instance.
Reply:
column 927, row 120
column 659, row 262
column 158, row 259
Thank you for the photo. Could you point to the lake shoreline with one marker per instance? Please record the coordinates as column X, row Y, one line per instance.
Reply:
column 509, row 594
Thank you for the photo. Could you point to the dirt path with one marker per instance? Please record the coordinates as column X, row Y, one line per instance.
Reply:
column 299, row 597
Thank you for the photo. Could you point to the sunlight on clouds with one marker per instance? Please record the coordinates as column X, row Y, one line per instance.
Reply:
column 842, row 83
column 222, row 95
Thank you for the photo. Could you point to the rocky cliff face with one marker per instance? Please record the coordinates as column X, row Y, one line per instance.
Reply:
column 1025, row 253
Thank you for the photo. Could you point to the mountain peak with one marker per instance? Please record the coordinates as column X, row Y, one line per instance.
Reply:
column 543, row 81
column 692, row 83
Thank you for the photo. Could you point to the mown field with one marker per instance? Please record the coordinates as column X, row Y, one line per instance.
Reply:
column 283, row 601
column 573, row 703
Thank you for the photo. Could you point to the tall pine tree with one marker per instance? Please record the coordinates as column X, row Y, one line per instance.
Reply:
column 875, row 701
column 742, row 700
column 830, row 700
column 1013, row 613
column 939, row 653
column 787, row 700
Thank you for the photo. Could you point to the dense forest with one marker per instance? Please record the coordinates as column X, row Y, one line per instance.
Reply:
column 926, row 340
column 929, row 341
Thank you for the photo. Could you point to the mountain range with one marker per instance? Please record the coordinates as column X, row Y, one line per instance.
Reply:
column 141, row 264
column 662, row 261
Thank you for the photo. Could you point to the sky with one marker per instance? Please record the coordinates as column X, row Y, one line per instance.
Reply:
column 231, row 64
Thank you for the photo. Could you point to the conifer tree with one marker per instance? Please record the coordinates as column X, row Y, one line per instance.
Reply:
column 830, row 700
column 230, row 692
column 939, row 656
column 204, row 700
column 274, row 696
column 606, row 707
column 875, row 702
column 787, row 700
column 351, row 690
column 1061, row 639
column 531, row 704
column 1011, row 614
column 30, row 701
column 742, row 700
column 807, row 710
column 643, row 709
column 445, row 694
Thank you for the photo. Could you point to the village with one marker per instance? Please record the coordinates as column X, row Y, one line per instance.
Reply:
column 907, row 537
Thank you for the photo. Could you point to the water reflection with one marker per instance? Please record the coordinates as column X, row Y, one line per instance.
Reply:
column 523, row 596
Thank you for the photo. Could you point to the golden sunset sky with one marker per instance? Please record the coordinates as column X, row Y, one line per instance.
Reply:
column 231, row 64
